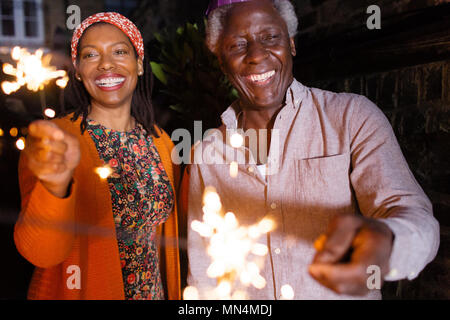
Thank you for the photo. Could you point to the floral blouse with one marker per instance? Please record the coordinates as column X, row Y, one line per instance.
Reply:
column 142, row 198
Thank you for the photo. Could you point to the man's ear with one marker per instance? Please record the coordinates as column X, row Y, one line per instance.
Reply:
column 221, row 65
column 292, row 43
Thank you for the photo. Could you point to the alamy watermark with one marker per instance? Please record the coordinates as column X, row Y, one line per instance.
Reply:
column 374, row 280
column 74, row 18
column 374, row 20
column 73, row 281
column 217, row 147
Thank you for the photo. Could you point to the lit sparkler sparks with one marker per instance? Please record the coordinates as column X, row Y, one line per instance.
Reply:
column 230, row 248
column 32, row 70
column 287, row 293
column 49, row 113
column 20, row 143
column 104, row 172
column 236, row 141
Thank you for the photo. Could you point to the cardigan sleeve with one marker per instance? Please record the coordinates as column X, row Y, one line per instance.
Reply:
column 169, row 242
column 386, row 189
column 45, row 230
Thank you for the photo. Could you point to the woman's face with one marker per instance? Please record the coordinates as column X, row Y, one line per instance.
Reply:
column 108, row 66
column 255, row 52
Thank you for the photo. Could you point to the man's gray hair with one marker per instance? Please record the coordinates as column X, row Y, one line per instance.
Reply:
column 217, row 17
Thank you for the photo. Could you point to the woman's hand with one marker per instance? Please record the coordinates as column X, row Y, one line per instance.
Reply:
column 52, row 155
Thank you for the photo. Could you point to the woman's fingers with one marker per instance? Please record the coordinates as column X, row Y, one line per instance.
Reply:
column 45, row 129
column 42, row 169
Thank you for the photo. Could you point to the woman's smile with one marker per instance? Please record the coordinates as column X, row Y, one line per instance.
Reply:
column 110, row 81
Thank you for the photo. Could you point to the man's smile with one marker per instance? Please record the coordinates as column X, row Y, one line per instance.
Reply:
column 262, row 78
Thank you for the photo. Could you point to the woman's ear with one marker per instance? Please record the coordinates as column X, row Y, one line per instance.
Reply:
column 292, row 44
column 140, row 67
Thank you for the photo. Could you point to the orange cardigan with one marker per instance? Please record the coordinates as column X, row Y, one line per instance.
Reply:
column 54, row 234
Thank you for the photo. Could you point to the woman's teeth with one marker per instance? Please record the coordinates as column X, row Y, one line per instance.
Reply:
column 261, row 77
column 109, row 82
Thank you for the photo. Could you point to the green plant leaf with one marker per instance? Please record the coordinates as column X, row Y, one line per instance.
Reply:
column 158, row 72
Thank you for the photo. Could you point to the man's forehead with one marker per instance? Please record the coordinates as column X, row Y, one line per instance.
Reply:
column 214, row 4
column 246, row 16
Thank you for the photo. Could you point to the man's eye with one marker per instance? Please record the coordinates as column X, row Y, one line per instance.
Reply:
column 239, row 45
column 270, row 37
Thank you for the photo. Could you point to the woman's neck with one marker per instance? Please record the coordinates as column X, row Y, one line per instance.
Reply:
column 118, row 119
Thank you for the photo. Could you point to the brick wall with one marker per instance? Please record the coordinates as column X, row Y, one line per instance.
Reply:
column 416, row 100
column 325, row 17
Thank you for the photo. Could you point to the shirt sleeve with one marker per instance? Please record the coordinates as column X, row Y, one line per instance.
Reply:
column 198, row 259
column 45, row 231
column 386, row 189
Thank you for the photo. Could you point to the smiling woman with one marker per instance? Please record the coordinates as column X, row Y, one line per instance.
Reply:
column 114, row 226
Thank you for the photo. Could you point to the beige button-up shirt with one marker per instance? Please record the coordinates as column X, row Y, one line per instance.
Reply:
column 330, row 154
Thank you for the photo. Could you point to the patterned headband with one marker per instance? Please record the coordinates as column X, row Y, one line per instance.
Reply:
column 214, row 4
column 115, row 19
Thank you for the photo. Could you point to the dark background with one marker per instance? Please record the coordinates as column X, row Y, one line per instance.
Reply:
column 404, row 68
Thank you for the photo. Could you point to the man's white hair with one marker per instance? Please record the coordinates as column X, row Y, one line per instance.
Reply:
column 217, row 17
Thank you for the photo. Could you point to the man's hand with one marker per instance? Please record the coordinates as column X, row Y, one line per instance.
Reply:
column 52, row 155
column 351, row 244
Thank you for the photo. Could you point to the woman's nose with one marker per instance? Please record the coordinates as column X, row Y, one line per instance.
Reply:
column 106, row 63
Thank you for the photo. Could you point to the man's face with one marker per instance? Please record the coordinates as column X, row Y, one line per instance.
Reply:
column 255, row 52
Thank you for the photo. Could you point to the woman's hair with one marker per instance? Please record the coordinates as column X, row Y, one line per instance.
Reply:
column 217, row 17
column 78, row 100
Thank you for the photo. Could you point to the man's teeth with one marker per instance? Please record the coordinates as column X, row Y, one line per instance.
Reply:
column 262, row 77
column 109, row 82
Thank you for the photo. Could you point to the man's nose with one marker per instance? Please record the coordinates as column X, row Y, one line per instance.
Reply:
column 256, row 52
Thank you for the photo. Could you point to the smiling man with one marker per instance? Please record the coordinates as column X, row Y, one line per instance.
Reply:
column 332, row 170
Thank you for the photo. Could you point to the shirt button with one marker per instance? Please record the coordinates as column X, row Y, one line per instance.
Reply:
column 277, row 251
column 250, row 169
column 273, row 205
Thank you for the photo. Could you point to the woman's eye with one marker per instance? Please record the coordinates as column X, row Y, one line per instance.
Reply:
column 121, row 51
column 88, row 55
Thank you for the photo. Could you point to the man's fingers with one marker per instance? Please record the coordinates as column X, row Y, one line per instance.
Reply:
column 349, row 279
column 45, row 129
column 338, row 240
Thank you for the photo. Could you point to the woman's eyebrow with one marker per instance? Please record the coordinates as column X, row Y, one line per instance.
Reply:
column 112, row 45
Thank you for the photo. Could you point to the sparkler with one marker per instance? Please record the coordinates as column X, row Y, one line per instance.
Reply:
column 49, row 113
column 236, row 141
column 20, row 143
column 287, row 293
column 230, row 248
column 104, row 172
column 32, row 70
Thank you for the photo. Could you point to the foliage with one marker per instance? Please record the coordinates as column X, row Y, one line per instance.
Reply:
column 190, row 81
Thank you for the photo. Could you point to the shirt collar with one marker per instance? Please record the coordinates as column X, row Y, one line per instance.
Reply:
column 294, row 95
